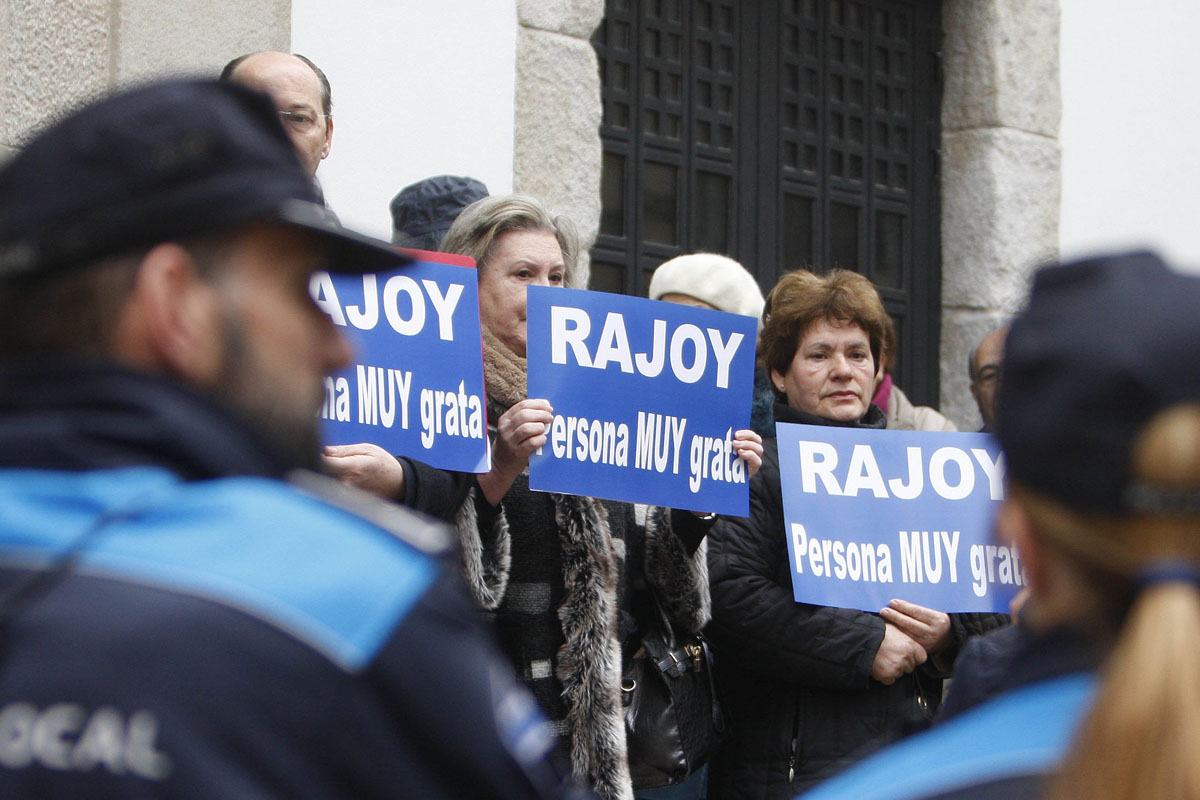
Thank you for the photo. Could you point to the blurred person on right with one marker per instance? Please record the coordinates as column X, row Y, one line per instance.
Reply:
column 1102, row 440
column 807, row 687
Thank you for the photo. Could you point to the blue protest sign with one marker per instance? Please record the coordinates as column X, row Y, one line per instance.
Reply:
column 646, row 395
column 874, row 515
column 416, row 387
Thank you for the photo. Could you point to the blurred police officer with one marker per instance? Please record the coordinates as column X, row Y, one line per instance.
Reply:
column 185, row 611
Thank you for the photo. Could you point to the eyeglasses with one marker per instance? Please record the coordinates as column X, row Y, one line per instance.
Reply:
column 988, row 374
column 302, row 121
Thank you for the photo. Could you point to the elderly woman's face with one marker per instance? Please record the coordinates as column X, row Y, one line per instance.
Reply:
column 832, row 374
column 518, row 260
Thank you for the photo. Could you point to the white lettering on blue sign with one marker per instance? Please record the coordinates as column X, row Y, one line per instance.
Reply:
column 715, row 459
column 687, row 352
column 993, row 563
column 378, row 390
column 819, row 460
column 925, row 557
column 337, row 399
column 581, row 439
column 454, row 413
column 659, row 437
column 917, row 551
column 858, row 561
column 406, row 318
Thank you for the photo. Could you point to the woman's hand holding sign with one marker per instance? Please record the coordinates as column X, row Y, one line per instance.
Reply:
column 519, row 431
column 748, row 446
column 367, row 466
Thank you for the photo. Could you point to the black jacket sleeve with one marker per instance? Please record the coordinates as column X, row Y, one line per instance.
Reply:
column 437, row 492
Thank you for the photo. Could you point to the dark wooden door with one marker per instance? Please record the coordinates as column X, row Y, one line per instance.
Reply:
column 784, row 133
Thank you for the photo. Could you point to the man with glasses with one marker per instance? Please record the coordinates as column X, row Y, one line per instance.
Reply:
column 984, row 365
column 301, row 94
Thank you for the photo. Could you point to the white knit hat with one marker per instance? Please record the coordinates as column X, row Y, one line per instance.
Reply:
column 717, row 280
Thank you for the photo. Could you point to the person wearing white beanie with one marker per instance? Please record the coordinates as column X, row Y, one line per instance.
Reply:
column 716, row 281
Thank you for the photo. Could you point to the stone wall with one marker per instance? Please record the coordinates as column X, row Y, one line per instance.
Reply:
column 1001, row 167
column 557, row 128
column 57, row 54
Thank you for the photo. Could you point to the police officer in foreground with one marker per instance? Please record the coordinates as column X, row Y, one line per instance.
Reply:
column 185, row 611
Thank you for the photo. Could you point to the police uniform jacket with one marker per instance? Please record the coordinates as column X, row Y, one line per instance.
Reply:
column 176, row 621
column 1003, row 748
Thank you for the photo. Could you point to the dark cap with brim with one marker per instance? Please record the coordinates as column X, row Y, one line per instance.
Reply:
column 159, row 163
column 1102, row 347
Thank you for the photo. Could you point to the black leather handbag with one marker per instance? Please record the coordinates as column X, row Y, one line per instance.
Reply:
column 673, row 718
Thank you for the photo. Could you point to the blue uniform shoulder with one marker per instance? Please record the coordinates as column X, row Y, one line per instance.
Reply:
column 1021, row 733
column 298, row 559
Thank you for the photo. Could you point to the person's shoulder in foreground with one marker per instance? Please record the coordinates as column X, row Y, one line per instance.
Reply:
column 1002, row 749
column 185, row 610
column 1102, row 499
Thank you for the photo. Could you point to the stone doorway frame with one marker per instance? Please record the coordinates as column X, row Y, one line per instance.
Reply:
column 1000, row 157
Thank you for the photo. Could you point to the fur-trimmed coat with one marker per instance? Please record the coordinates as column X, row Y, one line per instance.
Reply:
column 565, row 579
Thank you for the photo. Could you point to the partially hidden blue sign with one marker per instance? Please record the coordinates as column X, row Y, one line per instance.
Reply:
column 646, row 395
column 872, row 515
column 416, row 387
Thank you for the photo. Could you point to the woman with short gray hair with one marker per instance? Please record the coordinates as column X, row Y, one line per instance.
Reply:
column 564, row 577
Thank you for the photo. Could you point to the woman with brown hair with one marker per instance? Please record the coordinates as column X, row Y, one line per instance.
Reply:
column 1099, row 415
column 807, row 687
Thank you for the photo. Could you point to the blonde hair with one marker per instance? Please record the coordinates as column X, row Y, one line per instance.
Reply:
column 1139, row 737
column 476, row 229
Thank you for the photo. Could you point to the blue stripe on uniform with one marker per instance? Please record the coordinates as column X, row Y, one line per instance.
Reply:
column 329, row 578
column 1023, row 732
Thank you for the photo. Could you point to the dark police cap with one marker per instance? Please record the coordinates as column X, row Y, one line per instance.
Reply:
column 1103, row 346
column 158, row 163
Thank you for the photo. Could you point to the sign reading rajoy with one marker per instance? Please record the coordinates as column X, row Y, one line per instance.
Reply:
column 647, row 397
column 874, row 515
column 416, row 387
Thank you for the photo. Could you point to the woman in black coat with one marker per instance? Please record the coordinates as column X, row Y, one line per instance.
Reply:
column 808, row 687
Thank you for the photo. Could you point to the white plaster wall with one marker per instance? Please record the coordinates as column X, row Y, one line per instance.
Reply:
column 419, row 88
column 1131, row 127
column 1000, row 172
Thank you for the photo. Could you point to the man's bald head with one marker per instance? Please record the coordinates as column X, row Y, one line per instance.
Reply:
column 984, row 364
column 300, row 92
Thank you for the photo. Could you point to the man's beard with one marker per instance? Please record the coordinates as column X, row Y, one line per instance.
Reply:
column 277, row 418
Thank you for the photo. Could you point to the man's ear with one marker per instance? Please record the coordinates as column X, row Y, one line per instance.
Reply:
column 172, row 320
column 1014, row 527
column 328, row 136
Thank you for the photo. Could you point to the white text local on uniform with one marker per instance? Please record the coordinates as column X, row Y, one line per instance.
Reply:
column 951, row 472
column 403, row 302
column 570, row 327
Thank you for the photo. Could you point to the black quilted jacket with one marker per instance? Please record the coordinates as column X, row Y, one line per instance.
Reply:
column 796, row 678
